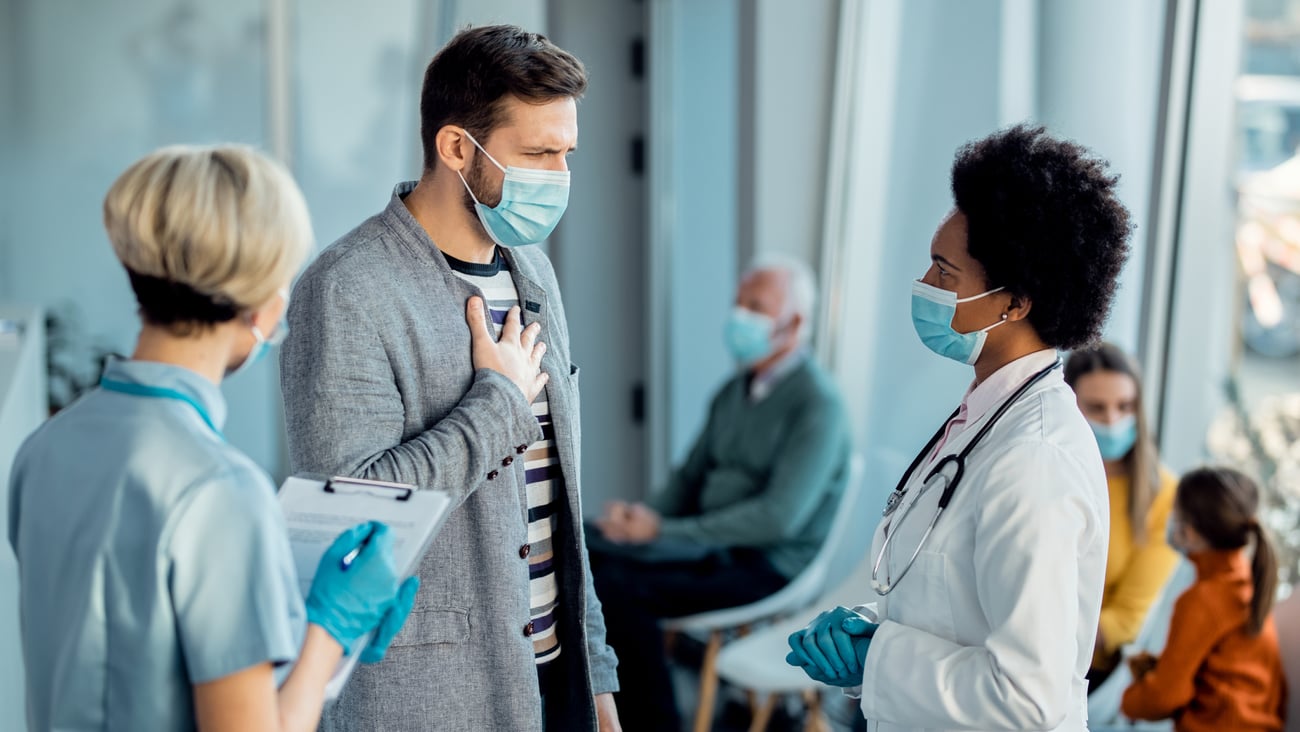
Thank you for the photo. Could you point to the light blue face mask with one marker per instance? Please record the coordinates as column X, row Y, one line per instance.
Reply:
column 532, row 202
column 933, row 309
column 262, row 343
column 748, row 335
column 1116, row 440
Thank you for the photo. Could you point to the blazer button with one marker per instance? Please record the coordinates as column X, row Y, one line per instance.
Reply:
column 521, row 449
column 492, row 475
column 528, row 629
column 510, row 459
column 525, row 550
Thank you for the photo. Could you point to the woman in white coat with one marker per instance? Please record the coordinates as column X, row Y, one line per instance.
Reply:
column 989, row 562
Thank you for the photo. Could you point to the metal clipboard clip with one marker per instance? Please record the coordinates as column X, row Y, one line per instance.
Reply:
column 344, row 484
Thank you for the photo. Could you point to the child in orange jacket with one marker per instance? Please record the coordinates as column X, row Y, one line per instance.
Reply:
column 1221, row 668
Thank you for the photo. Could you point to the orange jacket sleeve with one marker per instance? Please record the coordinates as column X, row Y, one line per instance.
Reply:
column 1194, row 629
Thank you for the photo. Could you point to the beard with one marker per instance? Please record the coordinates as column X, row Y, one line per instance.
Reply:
column 477, row 182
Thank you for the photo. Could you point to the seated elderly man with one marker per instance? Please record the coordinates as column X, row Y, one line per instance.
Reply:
column 753, row 500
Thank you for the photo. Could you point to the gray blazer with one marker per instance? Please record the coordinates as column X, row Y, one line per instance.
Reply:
column 378, row 383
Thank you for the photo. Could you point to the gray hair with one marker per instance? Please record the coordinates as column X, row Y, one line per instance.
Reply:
column 801, row 287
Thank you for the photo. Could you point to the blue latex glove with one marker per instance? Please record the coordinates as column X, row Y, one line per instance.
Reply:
column 392, row 622
column 349, row 601
column 833, row 648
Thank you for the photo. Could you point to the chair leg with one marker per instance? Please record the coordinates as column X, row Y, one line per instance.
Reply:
column 814, row 722
column 763, row 714
column 708, row 683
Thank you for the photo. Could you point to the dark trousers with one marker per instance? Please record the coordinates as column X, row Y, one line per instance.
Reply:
column 637, row 593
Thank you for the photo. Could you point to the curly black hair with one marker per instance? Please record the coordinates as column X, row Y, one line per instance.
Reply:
column 1043, row 219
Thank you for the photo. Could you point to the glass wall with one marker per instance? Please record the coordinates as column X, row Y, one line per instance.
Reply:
column 1260, row 428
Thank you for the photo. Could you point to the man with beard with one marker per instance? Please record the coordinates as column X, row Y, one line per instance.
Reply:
column 429, row 346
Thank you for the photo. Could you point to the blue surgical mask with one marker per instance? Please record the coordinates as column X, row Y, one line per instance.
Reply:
column 748, row 335
column 933, row 309
column 532, row 202
column 262, row 343
column 1116, row 440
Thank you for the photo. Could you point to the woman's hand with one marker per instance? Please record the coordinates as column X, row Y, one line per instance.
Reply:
column 833, row 648
column 355, row 584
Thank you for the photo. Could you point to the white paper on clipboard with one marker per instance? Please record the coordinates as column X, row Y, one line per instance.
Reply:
column 317, row 510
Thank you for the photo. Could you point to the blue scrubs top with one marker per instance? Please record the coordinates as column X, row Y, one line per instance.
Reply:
column 152, row 556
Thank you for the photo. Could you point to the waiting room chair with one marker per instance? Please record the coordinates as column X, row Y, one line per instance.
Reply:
column 1104, row 701
column 841, row 550
column 757, row 664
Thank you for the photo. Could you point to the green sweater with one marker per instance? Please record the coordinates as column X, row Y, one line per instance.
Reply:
column 766, row 474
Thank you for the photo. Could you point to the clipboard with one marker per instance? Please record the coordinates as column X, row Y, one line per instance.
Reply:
column 317, row 509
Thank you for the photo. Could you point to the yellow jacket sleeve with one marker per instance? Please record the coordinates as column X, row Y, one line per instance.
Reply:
column 1125, row 605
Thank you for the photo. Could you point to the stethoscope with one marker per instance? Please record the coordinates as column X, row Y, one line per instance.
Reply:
column 958, row 462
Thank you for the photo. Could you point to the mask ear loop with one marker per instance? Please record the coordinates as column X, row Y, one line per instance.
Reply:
column 483, row 150
column 991, row 327
column 489, row 157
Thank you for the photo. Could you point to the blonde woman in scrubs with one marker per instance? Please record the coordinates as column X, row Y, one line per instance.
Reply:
column 157, row 590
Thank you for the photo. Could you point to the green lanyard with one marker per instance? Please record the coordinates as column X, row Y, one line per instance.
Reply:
column 158, row 392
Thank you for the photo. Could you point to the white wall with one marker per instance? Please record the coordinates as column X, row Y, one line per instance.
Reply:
column 1104, row 95
column 694, row 60
column 946, row 94
column 22, row 408
column 599, row 249
column 98, row 86
column 792, row 53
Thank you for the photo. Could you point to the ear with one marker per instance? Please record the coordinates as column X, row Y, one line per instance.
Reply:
column 454, row 148
column 1018, row 307
column 266, row 318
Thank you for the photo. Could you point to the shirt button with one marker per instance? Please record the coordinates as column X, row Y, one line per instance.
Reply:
column 508, row 461
column 528, row 630
column 525, row 550
column 521, row 449
column 492, row 475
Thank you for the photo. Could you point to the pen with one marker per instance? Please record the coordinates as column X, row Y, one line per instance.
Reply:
column 351, row 556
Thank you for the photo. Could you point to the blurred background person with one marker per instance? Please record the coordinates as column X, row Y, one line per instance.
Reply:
column 1138, row 562
column 158, row 588
column 1221, row 668
column 753, row 500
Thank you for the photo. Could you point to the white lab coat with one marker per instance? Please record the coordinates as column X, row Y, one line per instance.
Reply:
column 993, row 627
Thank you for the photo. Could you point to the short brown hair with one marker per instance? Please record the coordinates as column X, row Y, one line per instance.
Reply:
column 467, row 80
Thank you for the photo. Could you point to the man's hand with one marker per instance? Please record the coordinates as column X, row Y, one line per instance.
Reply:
column 517, row 356
column 1141, row 665
column 624, row 523
column 607, row 713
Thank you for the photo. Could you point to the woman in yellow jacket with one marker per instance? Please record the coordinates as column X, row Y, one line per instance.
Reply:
column 1139, row 561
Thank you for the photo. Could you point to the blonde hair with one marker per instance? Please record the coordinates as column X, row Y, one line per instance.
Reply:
column 206, row 232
